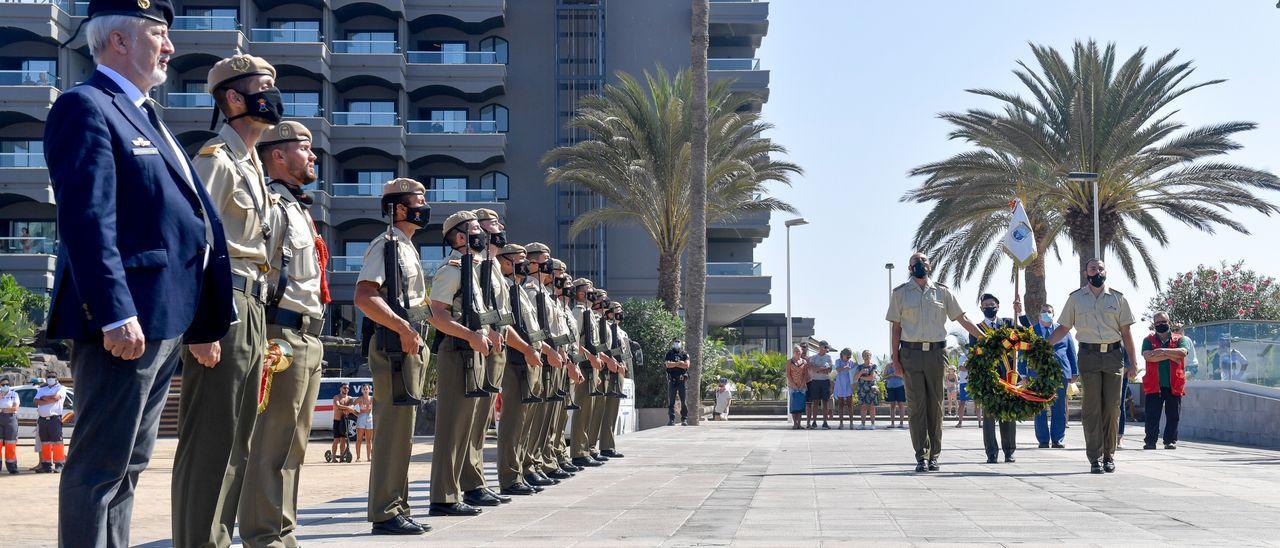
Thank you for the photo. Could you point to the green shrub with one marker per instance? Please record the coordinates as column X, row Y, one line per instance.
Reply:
column 650, row 325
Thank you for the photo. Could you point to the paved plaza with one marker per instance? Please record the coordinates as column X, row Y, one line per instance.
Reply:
column 759, row 483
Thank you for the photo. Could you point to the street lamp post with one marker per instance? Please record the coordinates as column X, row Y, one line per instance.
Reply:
column 889, row 267
column 789, row 224
column 1089, row 177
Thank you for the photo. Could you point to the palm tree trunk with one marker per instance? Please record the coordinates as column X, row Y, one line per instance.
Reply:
column 696, row 261
column 1034, row 292
column 669, row 280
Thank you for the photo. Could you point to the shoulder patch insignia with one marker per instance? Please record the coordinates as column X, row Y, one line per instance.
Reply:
column 455, row 263
column 210, row 150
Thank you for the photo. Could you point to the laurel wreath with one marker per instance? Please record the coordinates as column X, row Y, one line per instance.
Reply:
column 1006, row 397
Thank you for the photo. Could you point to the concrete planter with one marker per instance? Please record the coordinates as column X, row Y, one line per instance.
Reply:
column 651, row 417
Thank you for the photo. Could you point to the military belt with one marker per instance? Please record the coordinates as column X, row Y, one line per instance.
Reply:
column 924, row 346
column 301, row 323
column 250, row 287
column 1101, row 348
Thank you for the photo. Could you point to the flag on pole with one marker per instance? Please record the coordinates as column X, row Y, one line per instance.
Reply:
column 1020, row 241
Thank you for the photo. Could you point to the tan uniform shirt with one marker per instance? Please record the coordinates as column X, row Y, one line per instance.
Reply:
column 606, row 338
column 446, row 286
column 374, row 267
column 293, row 231
column 528, row 307
column 557, row 315
column 568, row 323
column 231, row 173
column 501, row 289
column 586, row 333
column 923, row 311
column 1097, row 320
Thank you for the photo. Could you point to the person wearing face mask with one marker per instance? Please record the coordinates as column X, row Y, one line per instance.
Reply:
column 295, row 314
column 542, row 458
column 49, row 401
column 1101, row 318
column 524, row 369
column 1164, row 382
column 9, row 403
column 219, row 400
column 585, row 296
column 608, row 445
column 1051, row 424
column 917, row 316
column 393, row 299
column 677, row 362
column 1008, row 429
column 575, row 353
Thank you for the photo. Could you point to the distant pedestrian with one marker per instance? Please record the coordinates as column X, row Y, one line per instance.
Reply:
column 1164, row 382
column 820, row 386
column 342, row 409
column 843, row 387
column 364, row 422
column 1193, row 362
column 50, row 401
column 952, row 384
column 962, row 394
column 677, row 365
column 797, row 385
column 1228, row 363
column 9, row 403
column 723, row 396
column 868, row 390
column 895, row 394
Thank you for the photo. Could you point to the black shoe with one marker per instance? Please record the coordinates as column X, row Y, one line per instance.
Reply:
column 397, row 526
column 536, row 480
column 1149, row 446
column 920, row 466
column 546, row 479
column 1009, row 458
column 45, row 468
column 538, row 488
column 1094, row 467
column 559, row 474
column 1108, row 466
column 586, row 462
column 480, row 497
column 501, row 498
column 684, row 422
column 13, row 467
column 519, row 489
column 933, row 465
column 455, row 509
column 1044, row 446
column 409, row 518
column 569, row 467
column 610, row 453
column 991, row 460
column 813, row 426
column 599, row 457
column 671, row 422
column 1173, row 445
column 825, row 426
column 1057, row 445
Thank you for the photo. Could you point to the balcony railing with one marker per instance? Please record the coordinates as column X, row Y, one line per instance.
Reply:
column 365, row 46
column 19, row 245
column 733, row 269
column 189, row 100
column 28, row 78
column 22, row 159
column 302, row 110
column 451, row 126
column 452, row 57
column 353, row 263
column 284, row 35
column 733, row 64
column 205, row 22
column 365, row 119
column 432, row 195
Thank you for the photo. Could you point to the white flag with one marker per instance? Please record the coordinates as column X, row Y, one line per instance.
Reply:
column 1019, row 241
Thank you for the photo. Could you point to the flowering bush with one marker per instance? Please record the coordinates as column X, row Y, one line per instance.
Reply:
column 1229, row 292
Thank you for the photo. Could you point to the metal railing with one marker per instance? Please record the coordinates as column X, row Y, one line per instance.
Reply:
column 353, row 263
column 452, row 57
column 285, row 35
column 22, row 159
column 205, row 22
column 733, row 64
column 29, row 245
column 733, row 269
column 432, row 195
column 365, row 119
column 188, row 100
column 365, row 46
column 303, row 110
column 451, row 126
column 28, row 78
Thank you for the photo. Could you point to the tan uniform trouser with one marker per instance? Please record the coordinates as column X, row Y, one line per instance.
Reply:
column 610, row 421
column 582, row 417
column 481, row 415
column 1102, row 377
column 923, row 373
column 512, row 446
column 453, row 422
column 393, row 437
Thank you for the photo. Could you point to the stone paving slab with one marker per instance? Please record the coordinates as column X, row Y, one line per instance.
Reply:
column 745, row 483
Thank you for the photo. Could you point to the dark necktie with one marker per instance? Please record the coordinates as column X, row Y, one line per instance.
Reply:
column 154, row 119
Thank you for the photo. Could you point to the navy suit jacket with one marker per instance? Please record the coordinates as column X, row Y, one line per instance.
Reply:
column 132, row 229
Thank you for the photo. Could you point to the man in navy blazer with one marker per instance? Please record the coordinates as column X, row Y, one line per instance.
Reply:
column 142, row 267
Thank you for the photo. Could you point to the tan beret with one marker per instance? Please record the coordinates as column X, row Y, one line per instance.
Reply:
column 285, row 132
column 616, row 307
column 455, row 220
column 557, row 264
column 581, row 282
column 402, row 185
column 511, row 248
column 236, row 67
column 484, row 214
column 537, row 247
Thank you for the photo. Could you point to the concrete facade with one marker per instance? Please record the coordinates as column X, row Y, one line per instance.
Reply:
column 464, row 95
column 1231, row 411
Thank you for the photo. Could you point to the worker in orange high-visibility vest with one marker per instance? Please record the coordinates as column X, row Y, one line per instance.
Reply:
column 9, row 425
column 49, row 401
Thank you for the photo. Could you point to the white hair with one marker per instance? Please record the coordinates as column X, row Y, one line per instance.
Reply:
column 98, row 30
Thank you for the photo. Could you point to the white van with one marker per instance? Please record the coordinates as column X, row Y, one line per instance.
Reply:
column 322, row 419
column 27, row 413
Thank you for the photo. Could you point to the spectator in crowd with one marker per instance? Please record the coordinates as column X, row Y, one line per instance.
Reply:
column 677, row 363
column 895, row 389
column 723, row 395
column 1051, row 425
column 341, row 410
column 868, row 392
column 951, row 383
column 843, row 388
column 1126, row 401
column 1164, row 382
column 1193, row 362
column 820, row 386
column 962, row 395
column 1228, row 363
column 364, row 422
column 9, row 403
column 797, row 385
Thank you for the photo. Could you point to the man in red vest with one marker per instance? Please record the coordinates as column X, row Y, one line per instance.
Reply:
column 1165, row 380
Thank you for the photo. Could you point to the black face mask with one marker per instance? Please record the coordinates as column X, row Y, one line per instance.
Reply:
column 498, row 238
column 559, row 283
column 418, row 215
column 990, row 312
column 919, row 270
column 1162, row 328
column 521, row 268
column 477, row 241
column 1097, row 280
column 266, row 105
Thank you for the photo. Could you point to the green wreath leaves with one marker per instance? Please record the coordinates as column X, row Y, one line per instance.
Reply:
column 1000, row 400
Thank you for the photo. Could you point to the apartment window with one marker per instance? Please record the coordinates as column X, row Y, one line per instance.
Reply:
column 28, row 72
column 448, row 189
column 496, row 114
column 301, row 103
column 498, row 46
column 498, row 182
column 445, row 51
column 447, row 120
column 433, row 253
column 22, row 153
column 363, row 182
column 31, row 237
column 294, row 30
column 367, row 113
column 208, row 19
column 365, row 41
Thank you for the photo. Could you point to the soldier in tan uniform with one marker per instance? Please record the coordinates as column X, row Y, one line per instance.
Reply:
column 557, row 448
column 396, row 303
column 918, row 314
column 599, row 308
column 295, row 310
column 589, row 339
column 543, row 460
column 460, row 351
column 608, row 445
column 219, row 401
column 1101, row 317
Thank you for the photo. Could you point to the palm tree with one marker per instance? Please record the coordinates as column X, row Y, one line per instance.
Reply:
column 1090, row 114
column 638, row 161
column 695, row 304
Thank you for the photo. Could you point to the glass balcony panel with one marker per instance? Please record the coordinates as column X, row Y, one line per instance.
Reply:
column 204, row 22
column 733, row 64
column 453, row 57
column 27, row 78
column 302, row 110
column 189, row 100
column 28, row 246
column 22, row 159
column 733, row 269
column 364, row 118
column 284, row 35
column 451, row 126
column 365, row 46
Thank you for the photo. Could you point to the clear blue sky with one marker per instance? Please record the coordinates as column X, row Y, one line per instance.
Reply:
column 856, row 86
